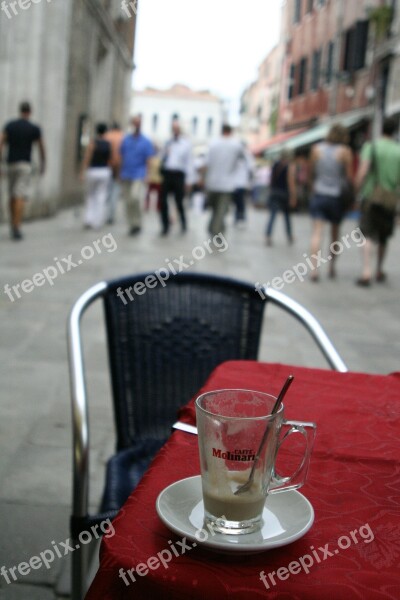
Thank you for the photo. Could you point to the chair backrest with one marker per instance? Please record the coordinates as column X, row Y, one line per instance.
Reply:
column 164, row 344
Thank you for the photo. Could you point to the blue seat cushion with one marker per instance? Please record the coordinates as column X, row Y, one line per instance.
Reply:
column 124, row 471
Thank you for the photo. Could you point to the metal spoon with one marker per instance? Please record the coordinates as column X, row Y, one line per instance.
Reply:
column 246, row 486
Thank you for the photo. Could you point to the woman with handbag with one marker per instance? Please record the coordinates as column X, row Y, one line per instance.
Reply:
column 379, row 178
column 332, row 180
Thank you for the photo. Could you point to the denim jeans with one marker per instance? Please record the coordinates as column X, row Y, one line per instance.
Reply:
column 279, row 201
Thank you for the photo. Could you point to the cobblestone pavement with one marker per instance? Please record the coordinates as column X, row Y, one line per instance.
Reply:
column 35, row 430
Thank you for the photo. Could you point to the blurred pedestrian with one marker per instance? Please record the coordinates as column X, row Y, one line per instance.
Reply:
column 302, row 179
column 222, row 162
column 198, row 195
column 19, row 136
column 379, row 176
column 136, row 152
column 154, row 180
column 282, row 195
column 115, row 136
column 177, row 171
column 262, row 182
column 331, row 172
column 244, row 176
column 96, row 173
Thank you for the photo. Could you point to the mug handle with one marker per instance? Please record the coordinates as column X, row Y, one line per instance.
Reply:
column 298, row 478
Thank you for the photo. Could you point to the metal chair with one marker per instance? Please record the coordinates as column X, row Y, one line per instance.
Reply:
column 163, row 340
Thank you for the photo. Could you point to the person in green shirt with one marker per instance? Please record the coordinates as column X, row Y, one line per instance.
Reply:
column 377, row 223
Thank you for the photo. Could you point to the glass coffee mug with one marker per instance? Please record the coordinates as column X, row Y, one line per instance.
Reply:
column 231, row 425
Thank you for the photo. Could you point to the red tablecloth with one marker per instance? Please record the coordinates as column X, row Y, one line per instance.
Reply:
column 354, row 481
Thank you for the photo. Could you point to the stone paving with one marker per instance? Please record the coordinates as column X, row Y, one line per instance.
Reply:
column 35, row 427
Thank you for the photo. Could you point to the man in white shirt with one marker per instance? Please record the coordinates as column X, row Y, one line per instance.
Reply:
column 222, row 164
column 177, row 172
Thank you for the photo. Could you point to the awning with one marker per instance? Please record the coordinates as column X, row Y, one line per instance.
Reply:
column 318, row 133
column 279, row 138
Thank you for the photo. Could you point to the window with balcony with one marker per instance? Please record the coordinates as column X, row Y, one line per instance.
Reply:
column 297, row 11
column 302, row 76
column 316, row 70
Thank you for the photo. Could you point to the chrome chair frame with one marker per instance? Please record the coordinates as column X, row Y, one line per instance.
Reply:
column 79, row 405
column 80, row 432
column 310, row 323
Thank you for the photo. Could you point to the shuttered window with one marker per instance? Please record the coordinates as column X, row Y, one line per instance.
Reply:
column 316, row 69
column 302, row 76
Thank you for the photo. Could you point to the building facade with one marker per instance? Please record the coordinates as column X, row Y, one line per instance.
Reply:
column 340, row 62
column 73, row 61
column 259, row 109
column 387, row 60
column 328, row 61
column 200, row 113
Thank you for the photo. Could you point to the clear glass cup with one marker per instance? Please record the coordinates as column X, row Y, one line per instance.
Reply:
column 231, row 425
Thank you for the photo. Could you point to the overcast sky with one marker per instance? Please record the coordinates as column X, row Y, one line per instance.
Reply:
column 206, row 44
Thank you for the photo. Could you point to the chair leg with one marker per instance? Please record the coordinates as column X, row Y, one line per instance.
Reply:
column 78, row 571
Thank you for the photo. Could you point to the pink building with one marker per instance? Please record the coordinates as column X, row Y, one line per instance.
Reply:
column 337, row 61
column 327, row 63
column 260, row 102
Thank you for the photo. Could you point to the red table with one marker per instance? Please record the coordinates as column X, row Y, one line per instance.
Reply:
column 354, row 482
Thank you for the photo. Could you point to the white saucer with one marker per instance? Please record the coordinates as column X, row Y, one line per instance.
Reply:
column 287, row 517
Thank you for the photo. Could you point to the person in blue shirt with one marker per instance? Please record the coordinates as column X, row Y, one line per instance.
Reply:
column 136, row 151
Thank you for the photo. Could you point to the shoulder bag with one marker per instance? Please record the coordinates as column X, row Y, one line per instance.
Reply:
column 381, row 196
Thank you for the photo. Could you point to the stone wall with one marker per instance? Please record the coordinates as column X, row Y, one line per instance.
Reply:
column 72, row 59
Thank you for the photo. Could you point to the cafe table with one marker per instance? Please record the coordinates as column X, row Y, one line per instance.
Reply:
column 352, row 549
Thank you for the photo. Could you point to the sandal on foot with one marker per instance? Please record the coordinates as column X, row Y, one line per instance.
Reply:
column 362, row 282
